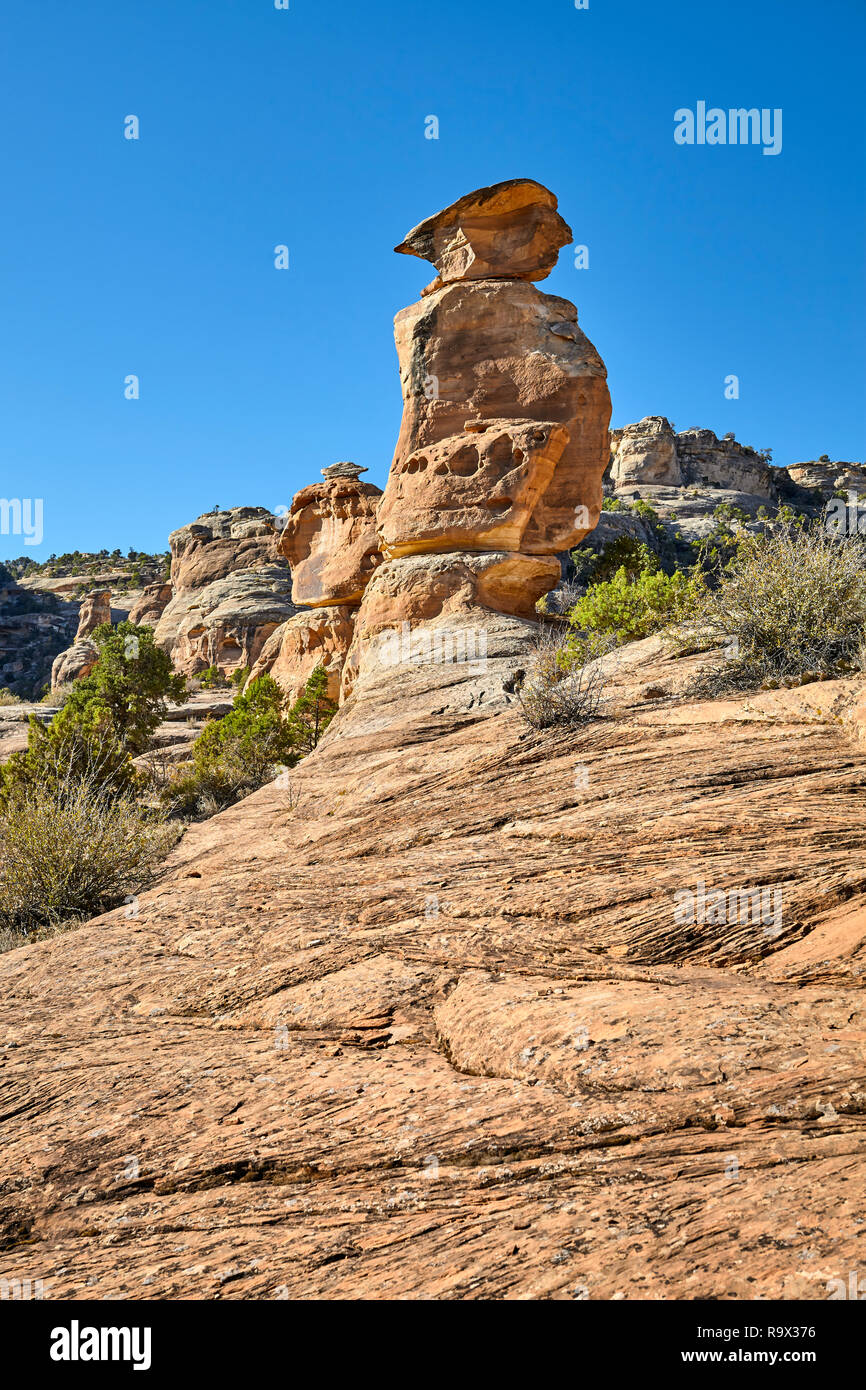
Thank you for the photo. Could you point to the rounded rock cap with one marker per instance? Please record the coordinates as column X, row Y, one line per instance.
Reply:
column 508, row 230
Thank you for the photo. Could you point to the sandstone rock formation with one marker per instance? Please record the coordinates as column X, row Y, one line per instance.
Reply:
column 95, row 610
column 504, row 436
column 227, row 622
column 475, row 490
column 650, row 453
column 316, row 637
column 431, row 1029
column 830, row 478
column 79, row 659
column 329, row 538
column 500, row 349
column 645, row 453
column 228, row 593
column 74, row 664
column 510, row 230
column 150, row 605
column 220, row 543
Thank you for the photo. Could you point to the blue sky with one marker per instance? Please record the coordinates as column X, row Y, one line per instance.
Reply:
column 306, row 127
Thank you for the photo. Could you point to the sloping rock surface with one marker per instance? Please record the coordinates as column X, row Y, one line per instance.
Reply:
column 425, row 1024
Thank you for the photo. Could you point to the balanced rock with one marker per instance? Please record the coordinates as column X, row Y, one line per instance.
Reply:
column 503, row 442
column 501, row 349
column 329, row 538
column 94, row 610
column 475, row 490
column 509, row 229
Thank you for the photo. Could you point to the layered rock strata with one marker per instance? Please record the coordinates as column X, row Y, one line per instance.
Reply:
column 504, row 436
column 651, row 453
column 229, row 592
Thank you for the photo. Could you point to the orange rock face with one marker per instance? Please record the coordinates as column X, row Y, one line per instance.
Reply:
column 218, row 544
column 149, row 608
column 457, row 594
column 329, row 540
column 504, row 438
column 319, row 637
column 500, row 349
column 511, row 229
column 472, row 491
column 95, row 609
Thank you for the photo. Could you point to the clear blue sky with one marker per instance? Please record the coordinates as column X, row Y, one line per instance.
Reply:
column 306, row 127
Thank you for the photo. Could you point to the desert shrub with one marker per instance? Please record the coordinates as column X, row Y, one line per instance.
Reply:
column 235, row 755
column 558, row 688
column 792, row 603
column 8, row 697
column 626, row 608
column 212, row 678
column 73, row 850
column 58, row 696
column 627, row 552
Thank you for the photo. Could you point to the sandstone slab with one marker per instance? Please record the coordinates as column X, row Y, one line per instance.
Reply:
column 433, row 1032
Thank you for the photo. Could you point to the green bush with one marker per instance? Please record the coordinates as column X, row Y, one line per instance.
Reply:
column 107, row 718
column 236, row 754
column 212, row 678
column 594, row 567
column 72, row 850
column 791, row 604
column 627, row 608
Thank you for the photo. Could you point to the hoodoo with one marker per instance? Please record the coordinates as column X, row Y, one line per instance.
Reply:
column 504, row 437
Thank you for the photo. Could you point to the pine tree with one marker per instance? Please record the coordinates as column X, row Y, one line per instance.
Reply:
column 312, row 712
